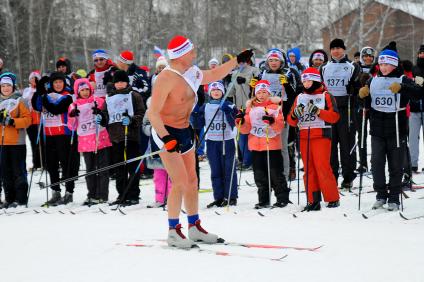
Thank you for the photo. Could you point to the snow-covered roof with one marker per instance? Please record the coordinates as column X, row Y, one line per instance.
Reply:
column 414, row 8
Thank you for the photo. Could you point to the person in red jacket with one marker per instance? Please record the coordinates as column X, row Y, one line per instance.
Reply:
column 313, row 112
column 264, row 121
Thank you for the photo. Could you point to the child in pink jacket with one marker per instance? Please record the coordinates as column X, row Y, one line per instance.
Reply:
column 93, row 139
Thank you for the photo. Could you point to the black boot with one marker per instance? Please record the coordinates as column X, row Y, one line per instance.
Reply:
column 261, row 205
column 216, row 203
column 334, row 204
column 315, row 206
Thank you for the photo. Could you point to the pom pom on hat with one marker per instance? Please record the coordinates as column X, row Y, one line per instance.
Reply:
column 126, row 57
column 179, row 46
column 262, row 85
column 311, row 74
column 161, row 61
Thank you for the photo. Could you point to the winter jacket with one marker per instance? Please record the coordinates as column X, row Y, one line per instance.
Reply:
column 418, row 70
column 352, row 85
column 139, row 81
column 383, row 124
column 256, row 128
column 54, row 108
column 27, row 96
column 329, row 114
column 241, row 92
column 116, row 129
column 85, row 124
column 15, row 107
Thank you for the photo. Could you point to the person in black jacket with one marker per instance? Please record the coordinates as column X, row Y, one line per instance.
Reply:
column 387, row 96
column 341, row 78
column 416, row 119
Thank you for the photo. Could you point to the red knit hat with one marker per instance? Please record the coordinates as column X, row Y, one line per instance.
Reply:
column 311, row 74
column 262, row 85
column 179, row 46
column 126, row 57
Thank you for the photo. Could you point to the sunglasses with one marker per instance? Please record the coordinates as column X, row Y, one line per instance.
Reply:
column 99, row 60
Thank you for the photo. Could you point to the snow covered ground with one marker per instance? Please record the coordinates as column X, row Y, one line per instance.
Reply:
column 91, row 246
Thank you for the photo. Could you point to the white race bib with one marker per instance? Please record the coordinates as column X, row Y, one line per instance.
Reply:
column 86, row 123
column 275, row 85
column 382, row 99
column 9, row 104
column 219, row 129
column 100, row 90
column 259, row 127
column 51, row 120
column 308, row 120
column 337, row 76
column 118, row 105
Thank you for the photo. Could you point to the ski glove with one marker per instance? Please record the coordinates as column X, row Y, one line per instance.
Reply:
column 298, row 111
column 241, row 80
column 9, row 121
column 268, row 119
column 419, row 80
column 126, row 121
column 240, row 117
column 313, row 109
column 170, row 143
column 98, row 118
column 283, row 79
column 74, row 113
column 253, row 82
column 395, row 87
column 364, row 92
column 41, row 86
column 244, row 56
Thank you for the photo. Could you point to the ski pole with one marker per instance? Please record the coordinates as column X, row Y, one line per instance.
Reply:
column 1, row 149
column 45, row 155
column 223, row 151
column 360, row 151
column 268, row 160
column 233, row 167
column 348, row 113
column 96, row 164
column 298, row 167
column 397, row 122
column 307, row 161
column 106, row 168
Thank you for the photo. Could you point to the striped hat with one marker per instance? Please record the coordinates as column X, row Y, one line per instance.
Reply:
column 100, row 53
column 262, row 85
column 388, row 57
column 126, row 57
column 179, row 46
column 217, row 85
column 275, row 53
column 311, row 74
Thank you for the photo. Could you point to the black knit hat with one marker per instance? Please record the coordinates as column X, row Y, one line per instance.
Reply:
column 337, row 42
column 421, row 48
column 121, row 75
column 56, row 76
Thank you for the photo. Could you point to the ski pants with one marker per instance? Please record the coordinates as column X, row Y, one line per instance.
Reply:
column 318, row 177
column 60, row 153
column 386, row 148
column 162, row 185
column 416, row 121
column 246, row 155
column 285, row 149
column 32, row 132
column 97, row 184
column 221, row 168
column 126, row 172
column 260, row 173
column 14, row 174
column 343, row 137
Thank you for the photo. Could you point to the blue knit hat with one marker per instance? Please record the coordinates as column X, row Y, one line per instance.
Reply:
column 100, row 53
column 388, row 57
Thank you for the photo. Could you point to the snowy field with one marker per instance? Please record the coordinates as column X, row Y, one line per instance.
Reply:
column 92, row 246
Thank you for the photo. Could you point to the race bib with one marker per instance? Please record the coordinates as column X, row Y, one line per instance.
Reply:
column 51, row 120
column 275, row 85
column 336, row 77
column 118, row 105
column 100, row 90
column 307, row 119
column 259, row 127
column 86, row 123
column 382, row 99
column 219, row 128
column 9, row 104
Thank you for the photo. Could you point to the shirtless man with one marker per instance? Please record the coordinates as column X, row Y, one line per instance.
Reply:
column 173, row 98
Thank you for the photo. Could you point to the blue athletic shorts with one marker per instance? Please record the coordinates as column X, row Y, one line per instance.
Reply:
column 184, row 135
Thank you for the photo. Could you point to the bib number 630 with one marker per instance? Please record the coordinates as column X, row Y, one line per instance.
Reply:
column 384, row 101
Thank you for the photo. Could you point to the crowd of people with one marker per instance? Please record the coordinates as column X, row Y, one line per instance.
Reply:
column 255, row 118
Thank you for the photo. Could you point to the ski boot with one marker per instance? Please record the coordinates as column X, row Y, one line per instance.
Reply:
column 54, row 200
column 316, row 206
column 334, row 204
column 392, row 207
column 281, row 204
column 261, row 205
column 216, row 203
column 68, row 198
column 177, row 239
column 196, row 233
column 379, row 204
column 155, row 205
column 233, row 202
